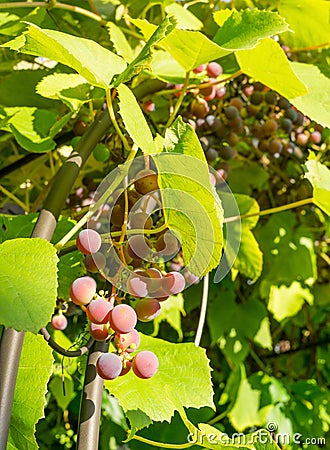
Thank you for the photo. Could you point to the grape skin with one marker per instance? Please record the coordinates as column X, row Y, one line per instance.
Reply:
column 99, row 332
column 147, row 309
column 128, row 342
column 59, row 322
column 98, row 311
column 109, row 366
column 88, row 241
column 145, row 364
column 123, row 318
column 82, row 290
column 173, row 283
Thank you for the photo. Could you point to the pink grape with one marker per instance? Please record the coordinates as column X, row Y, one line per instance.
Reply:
column 95, row 262
column 59, row 322
column 109, row 366
column 98, row 310
column 147, row 309
column 145, row 364
column 213, row 69
column 316, row 137
column 126, row 368
column 99, row 332
column 83, row 290
column 137, row 285
column 88, row 241
column 123, row 318
column 128, row 342
column 200, row 68
column 174, row 282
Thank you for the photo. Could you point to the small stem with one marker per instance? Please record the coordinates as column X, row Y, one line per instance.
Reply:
column 262, row 366
column 308, row 49
column 214, row 83
column 218, row 418
column 114, row 120
column 160, row 444
column 62, row 351
column 265, row 212
column 202, row 314
column 14, row 198
column 179, row 102
column 75, row 9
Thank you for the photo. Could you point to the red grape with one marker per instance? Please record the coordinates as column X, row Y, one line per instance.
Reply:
column 200, row 68
column 128, row 342
column 137, row 285
column 145, row 364
column 316, row 137
column 88, row 241
column 98, row 310
column 147, row 309
column 95, row 262
column 126, row 368
column 138, row 247
column 109, row 366
column 83, row 290
column 213, row 69
column 174, row 282
column 99, row 331
column 123, row 318
column 59, row 322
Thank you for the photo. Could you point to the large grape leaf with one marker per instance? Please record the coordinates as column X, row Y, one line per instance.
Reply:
column 34, row 129
column 134, row 120
column 268, row 64
column 182, row 380
column 319, row 176
column 244, row 29
column 170, row 312
column 199, row 51
column 92, row 61
column 192, row 209
column 120, row 42
column 28, row 283
column 186, row 20
column 316, row 104
column 287, row 301
column 166, row 68
column 306, row 33
column 72, row 89
column 28, row 407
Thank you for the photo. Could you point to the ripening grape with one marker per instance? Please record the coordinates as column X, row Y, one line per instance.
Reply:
column 283, row 103
column 173, row 283
column 109, row 366
column 137, row 285
column 148, row 106
column 98, row 311
column 59, row 322
column 140, row 221
column 227, row 152
column 275, row 146
column 95, row 262
column 127, row 365
column 256, row 98
column 88, row 241
column 286, row 125
column 200, row 68
column 211, row 154
column 199, row 107
column 213, row 69
column 302, row 139
column 316, row 137
column 236, row 102
column 80, row 127
column 117, row 215
column 123, row 318
column 147, row 309
column 212, row 123
column 138, row 247
column 99, row 332
column 154, row 280
column 127, row 342
column 232, row 139
column 270, row 127
column 231, row 112
column 101, row 153
column 145, row 364
column 271, row 98
column 208, row 92
column 220, row 92
column 167, row 244
column 82, row 290
column 146, row 181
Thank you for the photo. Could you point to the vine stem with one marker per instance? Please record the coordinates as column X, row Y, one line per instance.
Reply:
column 265, row 212
column 179, row 102
column 71, row 8
column 202, row 314
column 114, row 120
column 161, row 445
column 62, row 351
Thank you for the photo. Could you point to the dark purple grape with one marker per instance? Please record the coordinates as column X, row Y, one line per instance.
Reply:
column 286, row 125
column 211, row 154
column 231, row 112
column 271, row 97
column 291, row 114
column 227, row 152
column 212, row 123
column 283, row 103
column 256, row 98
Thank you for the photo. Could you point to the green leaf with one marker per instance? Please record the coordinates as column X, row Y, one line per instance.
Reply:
column 192, row 209
column 34, row 371
column 200, row 50
column 244, row 29
column 186, row 20
column 287, row 301
column 144, row 57
column 319, row 176
column 264, row 336
column 134, row 120
column 70, row 267
column 72, row 89
column 241, row 416
column 28, row 283
column 166, row 68
column 263, row 63
column 120, row 42
column 12, row 227
column 246, row 176
column 92, row 61
column 170, row 312
column 183, row 365
column 62, row 390
column 33, row 127
column 10, row 24
column 316, row 103
column 306, row 33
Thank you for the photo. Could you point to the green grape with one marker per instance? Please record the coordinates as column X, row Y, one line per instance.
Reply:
column 101, row 153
